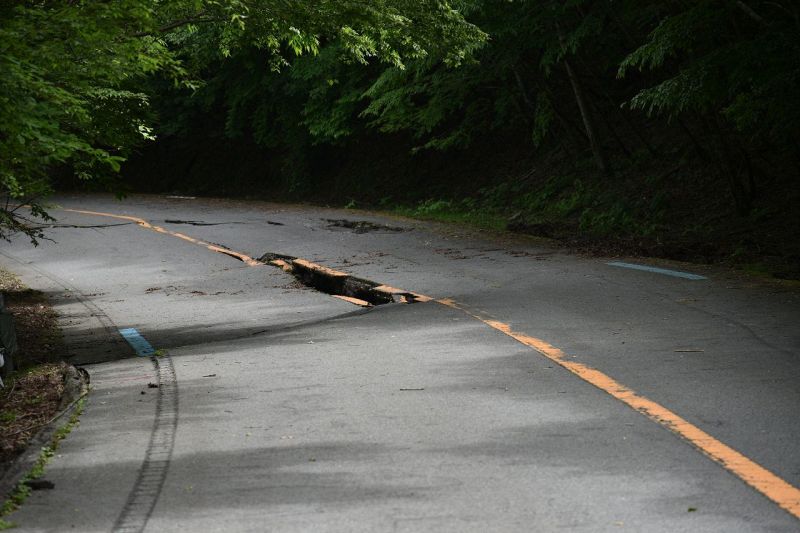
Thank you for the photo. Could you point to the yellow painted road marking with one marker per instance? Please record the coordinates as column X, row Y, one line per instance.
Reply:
column 325, row 271
column 770, row 485
column 246, row 259
column 352, row 300
column 785, row 495
column 386, row 289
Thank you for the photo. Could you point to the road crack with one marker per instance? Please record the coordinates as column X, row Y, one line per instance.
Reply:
column 342, row 285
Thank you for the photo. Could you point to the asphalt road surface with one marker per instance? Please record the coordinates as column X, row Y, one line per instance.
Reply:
column 523, row 388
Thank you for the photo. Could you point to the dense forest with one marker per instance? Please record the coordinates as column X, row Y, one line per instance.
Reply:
column 659, row 127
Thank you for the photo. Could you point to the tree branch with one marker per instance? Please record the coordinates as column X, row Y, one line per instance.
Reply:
column 196, row 18
column 752, row 14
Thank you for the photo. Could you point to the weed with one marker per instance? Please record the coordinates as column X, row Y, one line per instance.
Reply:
column 616, row 220
column 22, row 490
column 757, row 269
column 467, row 211
column 578, row 197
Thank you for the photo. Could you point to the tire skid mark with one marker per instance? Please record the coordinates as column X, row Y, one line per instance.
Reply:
column 94, row 310
column 779, row 491
column 153, row 473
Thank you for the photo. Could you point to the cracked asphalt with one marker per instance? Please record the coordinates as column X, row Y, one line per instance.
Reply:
column 280, row 408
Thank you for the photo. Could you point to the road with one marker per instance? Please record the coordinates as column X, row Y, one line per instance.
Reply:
column 537, row 390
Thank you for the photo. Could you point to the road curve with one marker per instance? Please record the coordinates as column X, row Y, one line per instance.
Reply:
column 508, row 408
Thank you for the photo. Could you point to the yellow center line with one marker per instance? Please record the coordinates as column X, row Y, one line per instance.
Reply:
column 770, row 485
column 246, row 259
column 785, row 495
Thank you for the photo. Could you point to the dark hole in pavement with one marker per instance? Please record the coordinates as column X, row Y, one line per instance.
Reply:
column 84, row 226
column 40, row 484
column 269, row 257
column 336, row 283
column 191, row 222
column 199, row 222
column 361, row 226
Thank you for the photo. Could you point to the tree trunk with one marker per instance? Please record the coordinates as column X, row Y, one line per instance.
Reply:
column 570, row 130
column 731, row 165
column 698, row 148
column 574, row 130
column 588, row 122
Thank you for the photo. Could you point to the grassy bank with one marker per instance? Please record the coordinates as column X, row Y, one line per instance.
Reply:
column 32, row 393
column 690, row 221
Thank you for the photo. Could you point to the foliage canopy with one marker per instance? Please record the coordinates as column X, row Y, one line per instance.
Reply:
column 72, row 72
column 703, row 83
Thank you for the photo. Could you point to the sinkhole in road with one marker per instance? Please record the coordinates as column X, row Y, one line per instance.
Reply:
column 191, row 222
column 361, row 226
column 341, row 285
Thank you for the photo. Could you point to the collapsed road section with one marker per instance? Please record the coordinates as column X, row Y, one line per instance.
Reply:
column 339, row 284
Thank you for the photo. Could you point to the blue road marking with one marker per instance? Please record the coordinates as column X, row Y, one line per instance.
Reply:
column 666, row 272
column 138, row 342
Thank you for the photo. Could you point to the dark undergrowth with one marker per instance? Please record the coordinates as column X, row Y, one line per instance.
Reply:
column 33, row 392
column 673, row 206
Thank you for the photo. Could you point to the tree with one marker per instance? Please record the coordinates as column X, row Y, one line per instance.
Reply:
column 67, row 78
column 72, row 71
column 731, row 66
